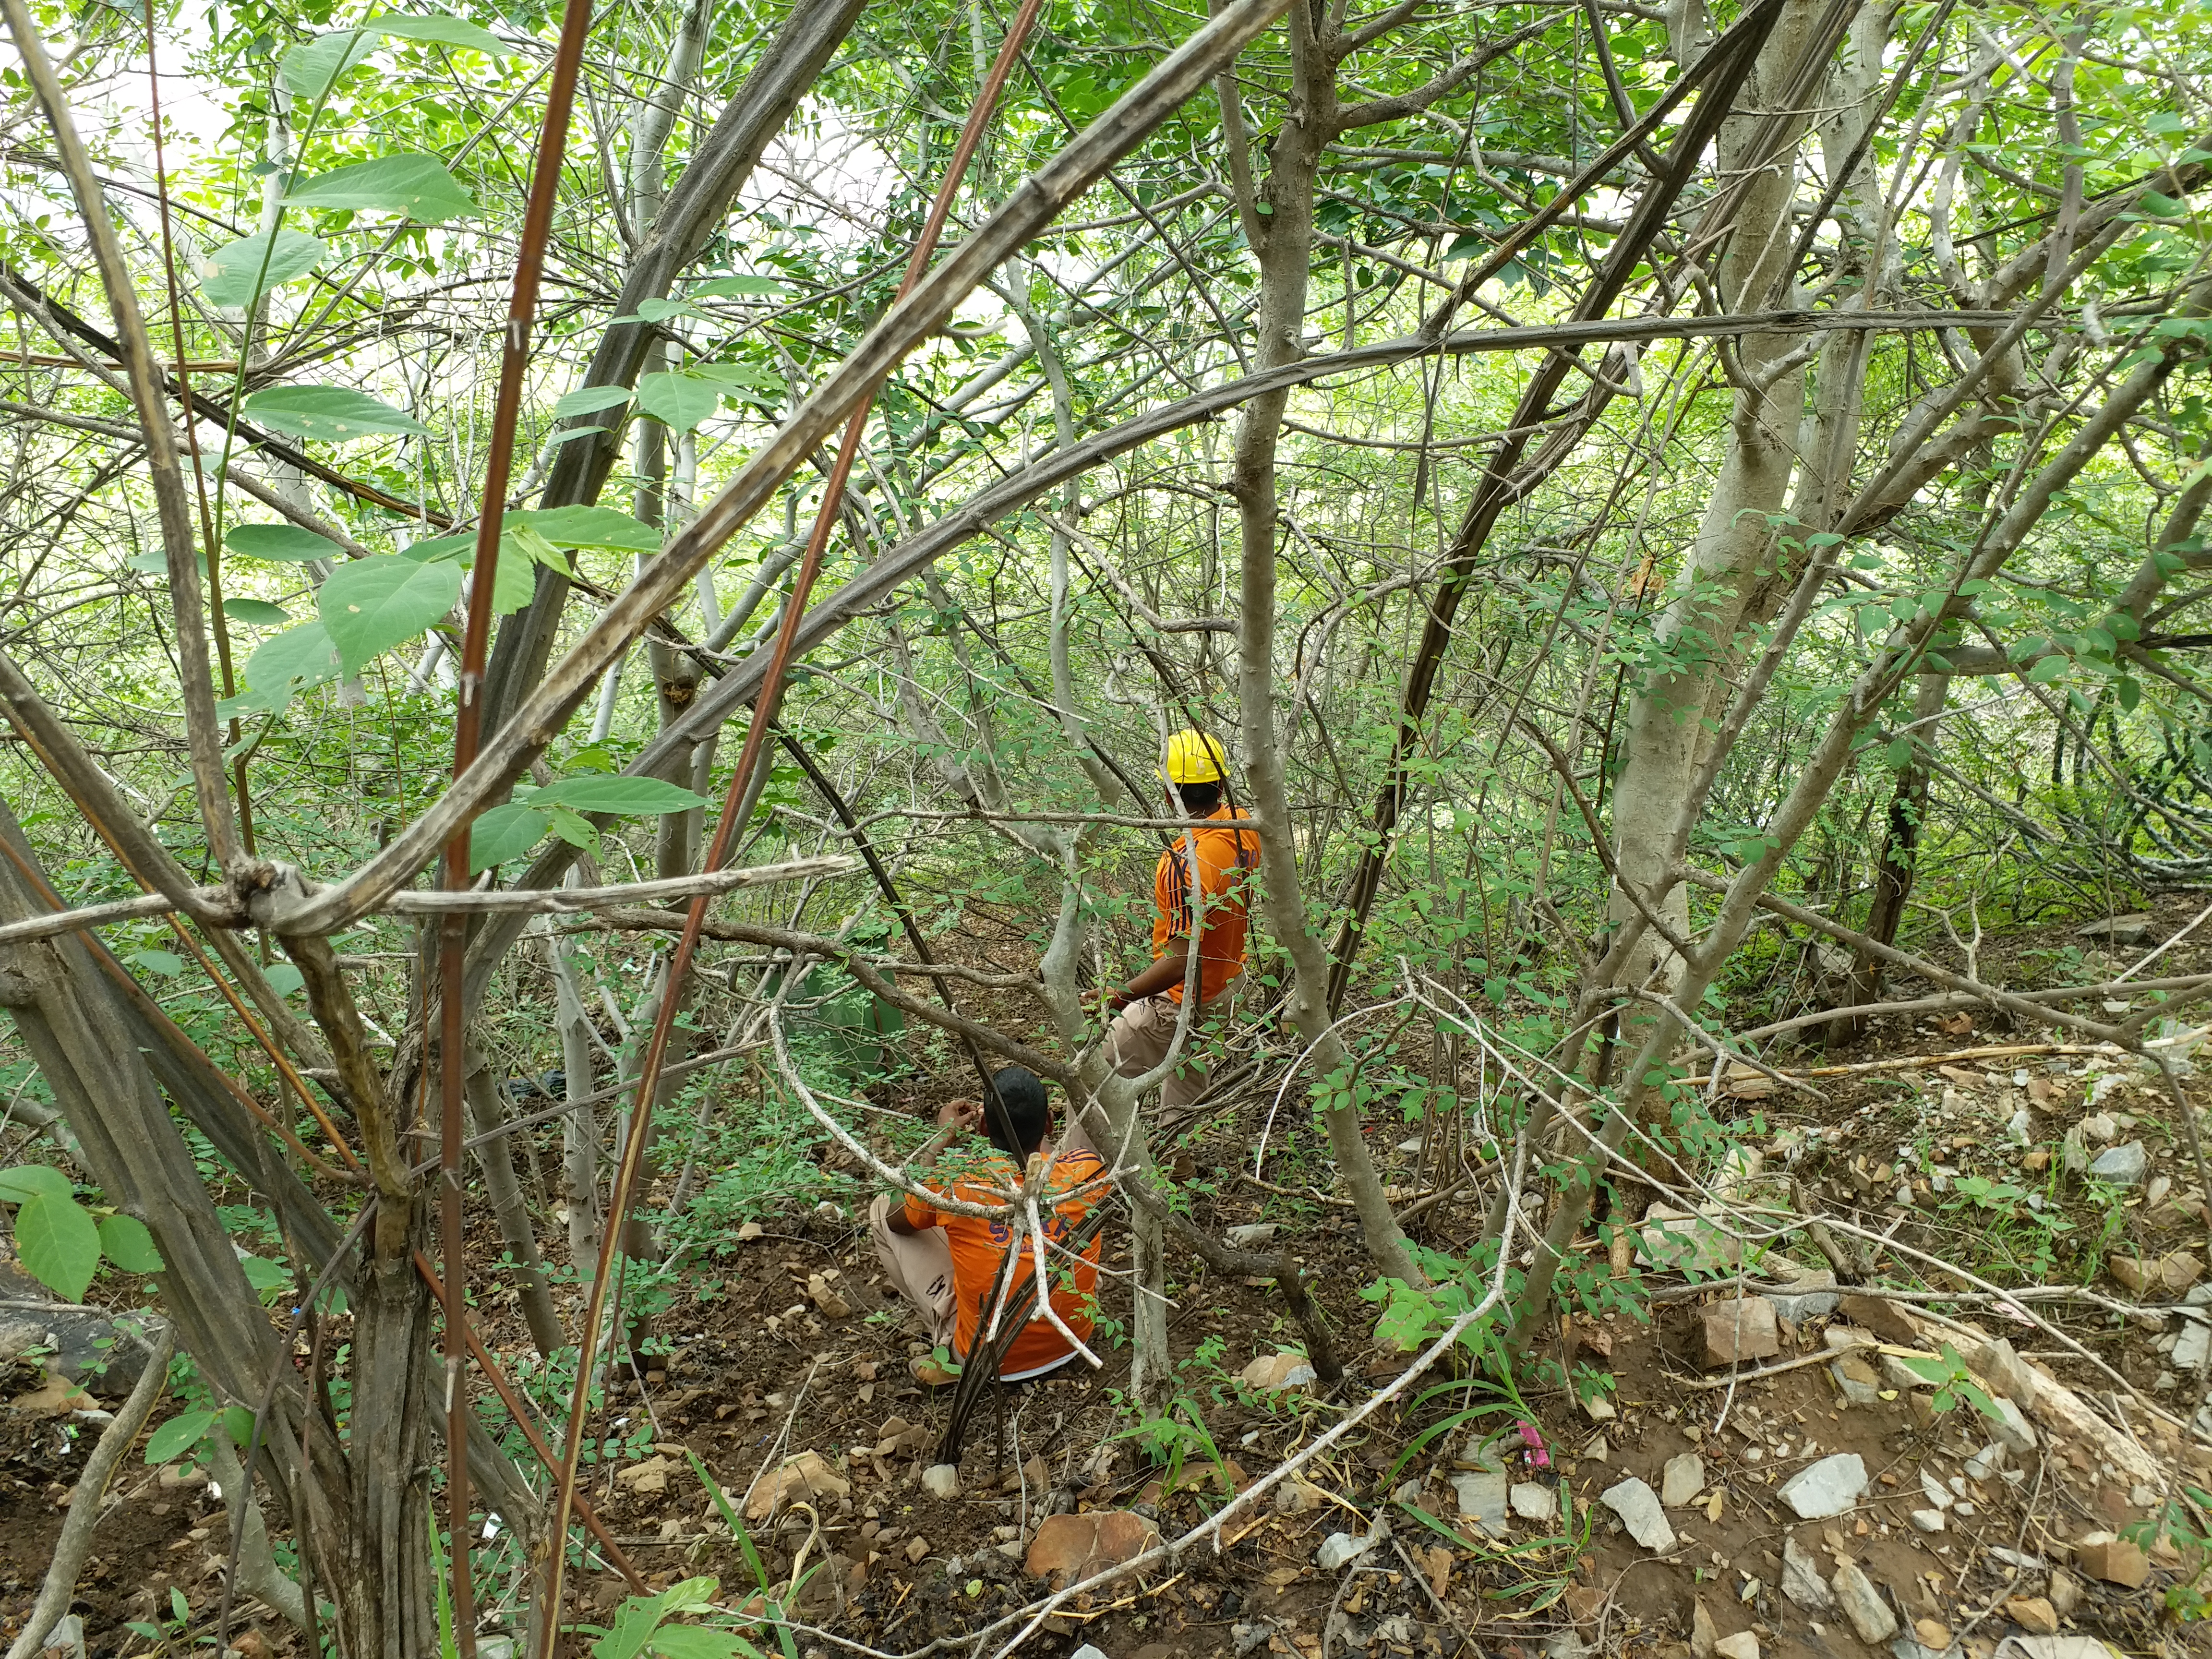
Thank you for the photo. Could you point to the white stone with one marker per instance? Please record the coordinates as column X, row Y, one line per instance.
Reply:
column 1252, row 1235
column 1938, row 1494
column 2011, row 1427
column 1987, row 1461
column 1741, row 1646
column 1637, row 1506
column 1341, row 1549
column 1864, row 1606
column 1533, row 1501
column 1827, row 1488
column 1683, row 1478
column 941, row 1481
column 1801, row 1578
column 1927, row 1519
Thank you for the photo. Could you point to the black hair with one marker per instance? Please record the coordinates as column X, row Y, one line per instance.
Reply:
column 1199, row 800
column 1021, row 1092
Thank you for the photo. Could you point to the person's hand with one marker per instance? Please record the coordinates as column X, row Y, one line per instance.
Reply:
column 1106, row 999
column 959, row 1115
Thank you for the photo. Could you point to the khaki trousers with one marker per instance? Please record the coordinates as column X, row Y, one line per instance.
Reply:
column 1137, row 1040
column 918, row 1266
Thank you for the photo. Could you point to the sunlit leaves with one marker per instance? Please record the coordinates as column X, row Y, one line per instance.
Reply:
column 679, row 401
column 295, row 660
column 280, row 543
column 257, row 613
column 310, row 70
column 508, row 831
column 591, row 399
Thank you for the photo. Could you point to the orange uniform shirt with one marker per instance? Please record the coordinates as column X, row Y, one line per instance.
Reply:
column 979, row 1246
column 1224, row 857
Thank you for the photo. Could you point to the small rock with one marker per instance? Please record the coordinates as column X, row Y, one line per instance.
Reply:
column 1599, row 1408
column 1339, row 1549
column 1683, row 1478
column 1703, row 1636
column 2123, row 1166
column 1597, row 1451
column 1881, row 1316
column 647, row 1478
column 1068, row 1548
column 2179, row 1270
column 1864, row 1606
column 941, row 1481
column 1800, row 1306
column 1902, row 1377
column 1926, row 1520
column 916, row 1548
column 2065, row 1593
column 1857, row 1380
column 1482, row 1500
column 1932, row 1634
column 1938, row 1493
column 1532, row 1501
column 2136, row 928
column 1739, row 1331
column 2115, row 1560
column 1252, row 1235
column 2009, row 1375
column 2098, row 1129
column 1801, row 1578
column 2034, row 1614
column 1297, row 1497
column 1275, row 1371
column 2010, row 1426
column 1827, row 1488
column 803, row 1475
column 1741, row 1646
column 1637, row 1506
column 1985, row 1462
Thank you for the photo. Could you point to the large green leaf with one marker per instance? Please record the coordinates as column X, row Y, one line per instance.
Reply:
column 125, row 1241
column 312, row 68
column 371, row 605
column 590, row 526
column 239, row 273
column 439, row 30
column 678, row 402
column 336, row 413
column 591, row 399
column 259, row 612
column 178, row 1436
column 279, row 543
column 295, row 660
column 504, row 833
column 58, row 1243
column 739, row 288
column 624, row 796
column 28, row 1181
column 416, row 185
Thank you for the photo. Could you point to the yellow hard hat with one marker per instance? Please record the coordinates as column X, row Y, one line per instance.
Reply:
column 1193, row 757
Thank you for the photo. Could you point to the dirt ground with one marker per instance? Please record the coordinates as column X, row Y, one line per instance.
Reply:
column 793, row 1347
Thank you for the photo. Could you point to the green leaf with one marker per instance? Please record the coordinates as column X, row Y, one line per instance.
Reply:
column 696, row 1642
column 659, row 311
column 2046, row 670
column 125, row 1241
column 2130, row 692
column 370, row 606
column 624, row 796
column 739, row 288
column 574, row 827
column 591, row 399
column 58, row 1243
column 338, row 414
column 589, row 526
column 1930, row 1370
column 283, row 978
column 178, row 1436
column 238, row 1424
column 28, row 1181
column 239, row 273
column 416, row 185
column 264, row 1276
column 504, row 833
column 279, row 543
column 295, row 660
column 437, row 29
column 259, row 612
column 514, row 579
column 443, row 547
column 678, row 402
column 311, row 69
column 167, row 963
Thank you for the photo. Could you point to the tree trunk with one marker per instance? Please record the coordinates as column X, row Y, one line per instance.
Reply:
column 1893, row 868
column 497, row 1161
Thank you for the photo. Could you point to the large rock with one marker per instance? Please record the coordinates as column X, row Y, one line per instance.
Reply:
column 1739, row 1332
column 2137, row 928
column 1863, row 1604
column 1881, row 1316
column 102, row 1353
column 1068, row 1548
column 1827, row 1488
column 1483, row 1497
column 2115, row 1560
column 1637, row 1506
column 1858, row 1383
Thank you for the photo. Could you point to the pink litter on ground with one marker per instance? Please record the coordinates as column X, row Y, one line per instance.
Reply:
column 1534, row 1442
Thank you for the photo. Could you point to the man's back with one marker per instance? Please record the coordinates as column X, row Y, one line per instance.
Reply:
column 978, row 1246
column 1223, row 855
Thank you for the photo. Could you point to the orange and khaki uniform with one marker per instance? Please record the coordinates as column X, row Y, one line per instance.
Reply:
column 947, row 1270
column 1213, row 918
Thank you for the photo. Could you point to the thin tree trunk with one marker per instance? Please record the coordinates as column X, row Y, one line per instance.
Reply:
column 1900, row 843
column 509, row 1207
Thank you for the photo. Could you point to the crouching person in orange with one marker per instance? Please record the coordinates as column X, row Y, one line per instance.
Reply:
column 946, row 1264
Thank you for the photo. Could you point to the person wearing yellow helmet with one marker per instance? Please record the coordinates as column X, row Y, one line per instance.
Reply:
column 1199, row 892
